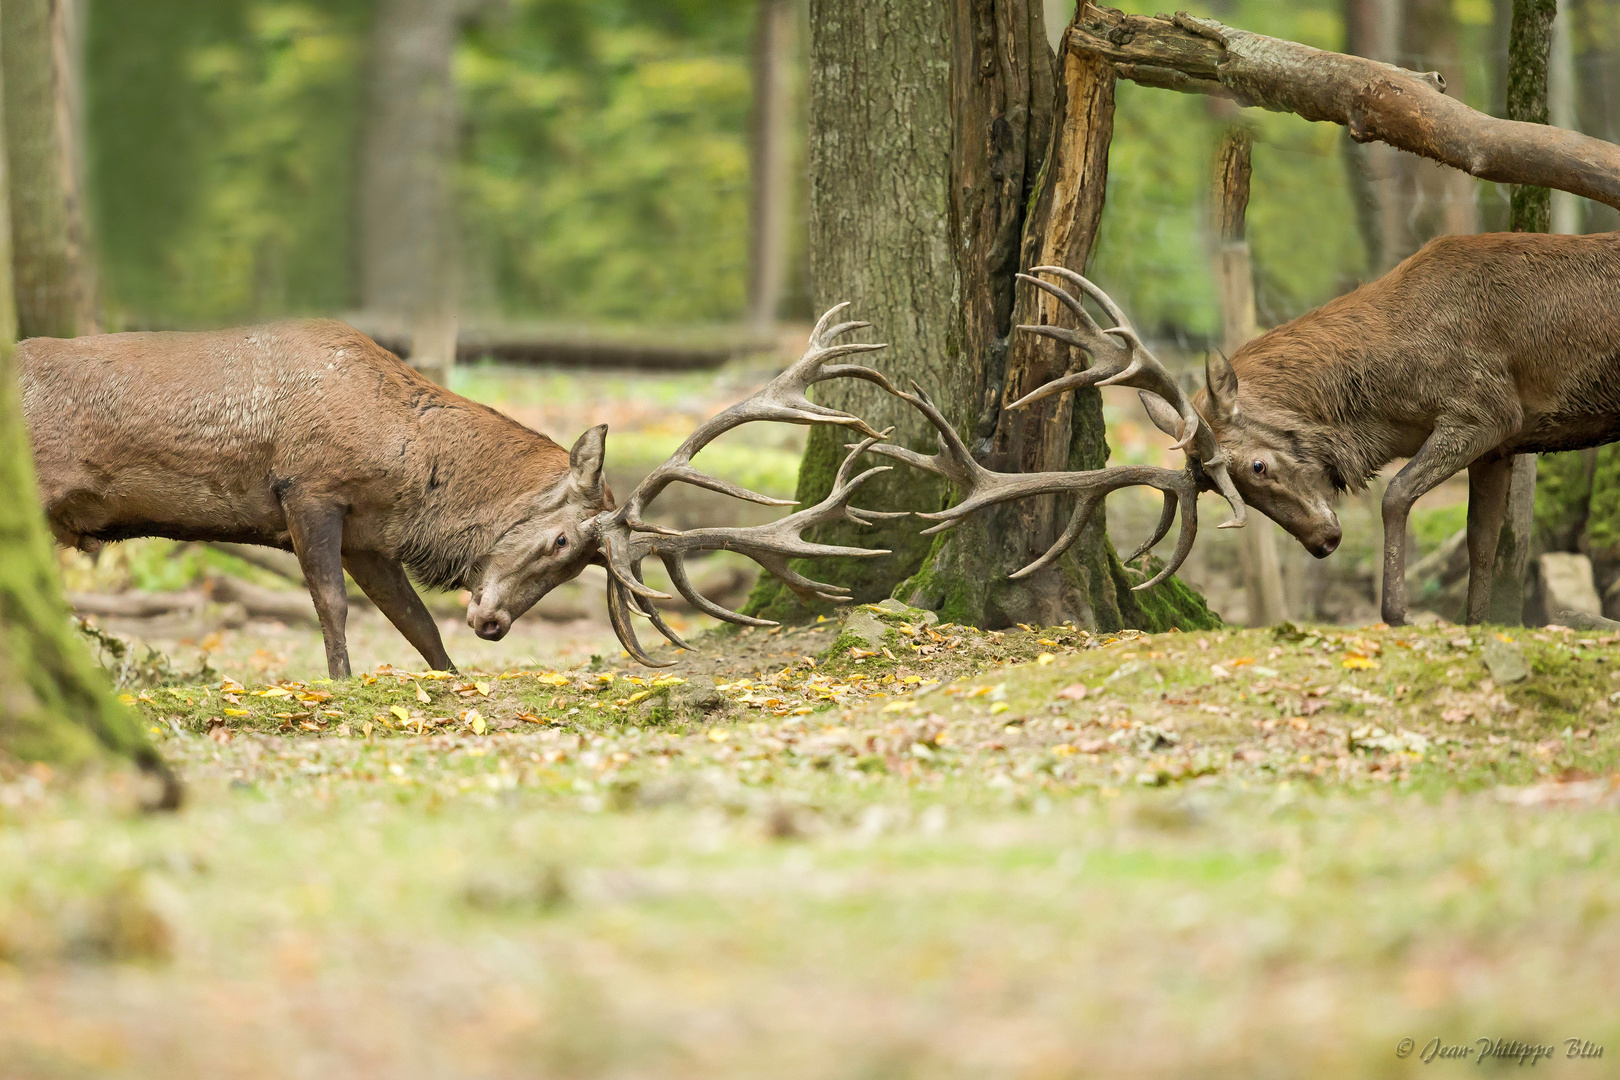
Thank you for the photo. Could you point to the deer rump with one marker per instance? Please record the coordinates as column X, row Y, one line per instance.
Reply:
column 310, row 437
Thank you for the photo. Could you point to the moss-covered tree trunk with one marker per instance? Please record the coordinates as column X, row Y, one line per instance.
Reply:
column 54, row 277
column 1529, row 46
column 880, row 229
column 1003, row 165
column 54, row 703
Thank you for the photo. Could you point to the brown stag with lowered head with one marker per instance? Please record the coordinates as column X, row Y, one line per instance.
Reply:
column 1475, row 349
column 312, row 438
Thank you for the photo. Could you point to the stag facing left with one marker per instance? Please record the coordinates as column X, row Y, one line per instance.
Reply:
column 310, row 437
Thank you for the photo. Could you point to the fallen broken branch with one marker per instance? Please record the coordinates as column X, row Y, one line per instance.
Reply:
column 1406, row 109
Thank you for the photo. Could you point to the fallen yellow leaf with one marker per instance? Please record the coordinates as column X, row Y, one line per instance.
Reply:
column 422, row 695
column 237, row 712
column 717, row 735
column 399, row 711
column 1045, row 658
column 482, row 688
column 477, row 721
column 129, row 699
column 552, row 678
column 1357, row 662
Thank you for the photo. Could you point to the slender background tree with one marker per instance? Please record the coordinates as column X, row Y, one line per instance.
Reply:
column 54, row 703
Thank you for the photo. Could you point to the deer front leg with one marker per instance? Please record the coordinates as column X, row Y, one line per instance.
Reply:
column 1487, row 507
column 383, row 579
column 317, row 540
column 1443, row 455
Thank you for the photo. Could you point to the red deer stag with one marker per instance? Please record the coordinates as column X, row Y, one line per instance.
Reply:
column 1473, row 350
column 312, row 438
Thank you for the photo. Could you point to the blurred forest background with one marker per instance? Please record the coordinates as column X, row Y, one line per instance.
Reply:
column 601, row 160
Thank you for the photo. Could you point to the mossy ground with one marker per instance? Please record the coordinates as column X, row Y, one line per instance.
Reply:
column 1229, row 854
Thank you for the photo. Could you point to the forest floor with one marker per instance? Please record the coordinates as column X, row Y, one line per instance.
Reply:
column 875, row 849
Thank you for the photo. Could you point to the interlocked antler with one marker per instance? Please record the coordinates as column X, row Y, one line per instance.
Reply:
column 1119, row 357
column 626, row 539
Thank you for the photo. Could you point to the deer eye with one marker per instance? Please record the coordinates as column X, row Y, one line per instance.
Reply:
column 1259, row 468
column 562, row 541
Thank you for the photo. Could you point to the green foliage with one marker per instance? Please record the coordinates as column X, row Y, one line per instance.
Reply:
column 222, row 143
column 606, row 171
column 1603, row 512
column 1434, row 527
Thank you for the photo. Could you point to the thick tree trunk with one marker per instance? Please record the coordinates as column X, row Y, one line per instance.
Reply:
column 1234, row 284
column 408, row 250
column 880, row 230
column 1405, row 109
column 767, row 247
column 54, row 274
column 1529, row 48
column 1030, row 191
column 54, row 704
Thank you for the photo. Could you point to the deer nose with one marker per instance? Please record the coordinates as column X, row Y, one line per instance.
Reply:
column 493, row 627
column 1329, row 543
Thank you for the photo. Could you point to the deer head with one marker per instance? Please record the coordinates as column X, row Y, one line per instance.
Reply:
column 1271, row 468
column 585, row 525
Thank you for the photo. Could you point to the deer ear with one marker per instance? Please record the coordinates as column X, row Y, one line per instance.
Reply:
column 1164, row 417
column 1222, row 383
column 585, row 463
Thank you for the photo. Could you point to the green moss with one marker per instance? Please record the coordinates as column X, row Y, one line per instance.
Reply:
column 54, row 702
column 868, row 579
column 1563, row 494
column 1603, row 510
column 1171, row 604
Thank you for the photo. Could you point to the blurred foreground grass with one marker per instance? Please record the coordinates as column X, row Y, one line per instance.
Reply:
column 936, row 853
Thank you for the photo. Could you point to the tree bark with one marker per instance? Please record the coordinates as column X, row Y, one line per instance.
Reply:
column 408, row 244
column 880, row 233
column 1030, row 192
column 1234, row 284
column 1405, row 109
column 54, row 704
column 767, row 248
column 1529, row 48
column 933, row 182
column 54, row 276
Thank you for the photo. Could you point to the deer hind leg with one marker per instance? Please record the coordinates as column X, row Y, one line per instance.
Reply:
column 383, row 579
column 317, row 540
column 1487, row 508
column 1445, row 453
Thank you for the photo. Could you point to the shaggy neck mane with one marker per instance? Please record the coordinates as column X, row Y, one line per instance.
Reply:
column 1307, row 382
column 473, row 496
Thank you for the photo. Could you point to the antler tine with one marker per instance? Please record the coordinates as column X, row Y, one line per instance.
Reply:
column 782, row 399
column 618, row 602
column 1167, row 518
column 1122, row 359
column 1087, row 286
column 625, row 540
column 1119, row 357
column 647, row 608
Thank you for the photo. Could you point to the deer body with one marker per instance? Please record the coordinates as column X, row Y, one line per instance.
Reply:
column 308, row 436
column 305, row 436
column 1473, row 350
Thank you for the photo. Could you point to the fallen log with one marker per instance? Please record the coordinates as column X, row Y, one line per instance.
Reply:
column 1375, row 101
column 135, row 605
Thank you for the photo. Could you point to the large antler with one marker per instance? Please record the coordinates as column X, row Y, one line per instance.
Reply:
column 1118, row 358
column 626, row 539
